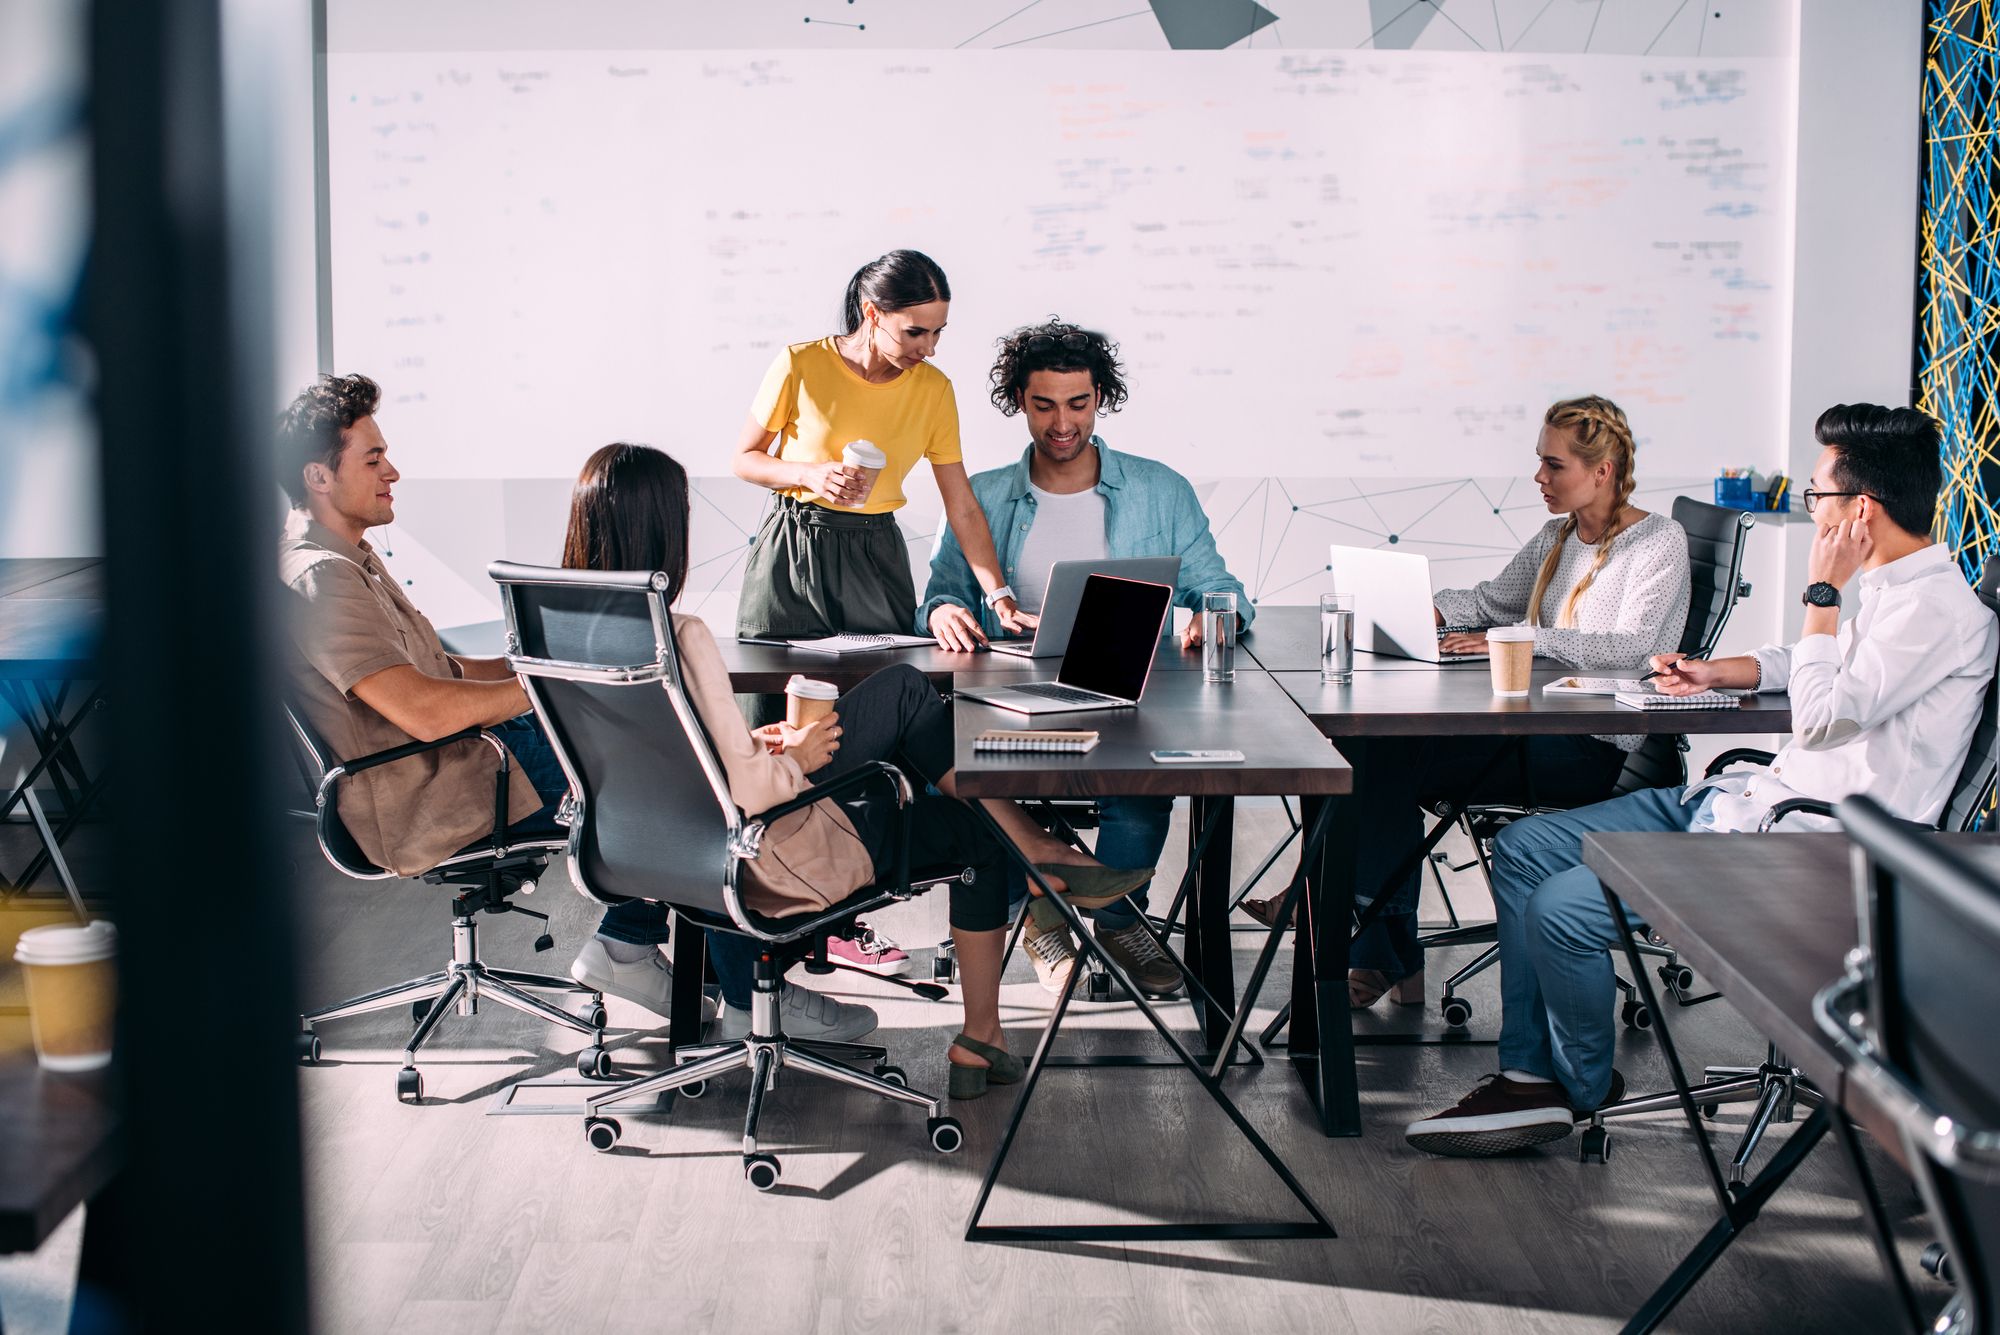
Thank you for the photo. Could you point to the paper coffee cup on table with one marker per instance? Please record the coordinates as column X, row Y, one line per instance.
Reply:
column 72, row 976
column 808, row 701
column 1511, row 654
column 868, row 457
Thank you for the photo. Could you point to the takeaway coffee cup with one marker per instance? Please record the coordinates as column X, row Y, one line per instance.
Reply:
column 1511, row 654
column 808, row 701
column 868, row 457
column 72, row 993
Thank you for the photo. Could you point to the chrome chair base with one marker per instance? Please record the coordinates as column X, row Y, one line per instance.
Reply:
column 764, row 1052
column 1776, row 1087
column 460, row 985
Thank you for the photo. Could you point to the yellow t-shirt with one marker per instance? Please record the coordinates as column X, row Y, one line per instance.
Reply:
column 819, row 406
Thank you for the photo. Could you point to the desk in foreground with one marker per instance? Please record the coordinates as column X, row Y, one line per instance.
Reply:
column 58, row 1147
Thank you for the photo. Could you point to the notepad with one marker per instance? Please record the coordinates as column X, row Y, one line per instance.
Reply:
column 859, row 644
column 1657, row 700
column 1047, row 739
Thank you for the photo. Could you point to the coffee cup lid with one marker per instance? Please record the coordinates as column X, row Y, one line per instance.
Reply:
column 60, row 943
column 1511, row 634
column 865, row 453
column 808, row 689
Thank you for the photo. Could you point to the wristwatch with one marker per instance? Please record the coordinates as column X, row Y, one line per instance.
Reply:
column 1004, row 591
column 1820, row 594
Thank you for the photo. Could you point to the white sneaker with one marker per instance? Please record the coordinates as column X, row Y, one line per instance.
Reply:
column 647, row 982
column 805, row 1014
column 1053, row 950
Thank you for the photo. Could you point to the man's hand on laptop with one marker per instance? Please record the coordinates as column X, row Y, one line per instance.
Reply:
column 1463, row 642
column 956, row 629
column 1013, row 619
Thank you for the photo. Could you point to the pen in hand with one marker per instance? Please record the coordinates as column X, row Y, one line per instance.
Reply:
column 1660, row 672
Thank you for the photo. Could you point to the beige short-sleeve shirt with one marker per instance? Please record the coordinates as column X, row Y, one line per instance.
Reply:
column 351, row 621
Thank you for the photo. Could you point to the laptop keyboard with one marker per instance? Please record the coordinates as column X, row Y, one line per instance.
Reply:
column 1069, row 695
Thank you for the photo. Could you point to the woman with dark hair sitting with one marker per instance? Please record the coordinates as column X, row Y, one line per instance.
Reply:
column 629, row 511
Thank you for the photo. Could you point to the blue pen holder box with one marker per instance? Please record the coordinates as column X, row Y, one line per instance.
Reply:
column 1735, row 493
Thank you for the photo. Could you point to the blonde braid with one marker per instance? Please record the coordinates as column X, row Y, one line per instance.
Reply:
column 1598, row 430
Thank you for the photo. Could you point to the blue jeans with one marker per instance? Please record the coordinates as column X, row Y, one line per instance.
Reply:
column 1556, row 935
column 639, row 922
column 1131, row 832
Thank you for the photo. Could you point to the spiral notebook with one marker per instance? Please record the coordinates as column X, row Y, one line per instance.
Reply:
column 1048, row 739
column 846, row 643
column 1699, row 700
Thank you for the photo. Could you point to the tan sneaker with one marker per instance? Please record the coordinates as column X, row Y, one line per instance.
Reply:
column 1140, row 956
column 1053, row 950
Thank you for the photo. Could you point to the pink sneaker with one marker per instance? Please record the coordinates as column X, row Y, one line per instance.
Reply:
column 869, row 949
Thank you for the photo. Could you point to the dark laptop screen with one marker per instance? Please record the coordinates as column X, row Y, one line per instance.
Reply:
column 1117, row 630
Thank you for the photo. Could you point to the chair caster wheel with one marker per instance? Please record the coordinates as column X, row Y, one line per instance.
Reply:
column 1678, row 977
column 1596, row 1146
column 762, row 1170
column 602, row 1132
column 947, row 1137
column 594, row 1063
column 595, row 1016
column 893, row 1074
column 419, row 1009
column 1708, row 1111
column 308, row 1048
column 944, row 969
column 694, row 1089
column 410, row 1085
column 1097, row 986
column 1636, row 1015
column 1457, row 1012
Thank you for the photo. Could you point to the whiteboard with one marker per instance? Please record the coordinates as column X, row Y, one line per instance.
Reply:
column 1349, row 264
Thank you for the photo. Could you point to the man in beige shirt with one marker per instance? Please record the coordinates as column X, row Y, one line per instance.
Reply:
column 370, row 674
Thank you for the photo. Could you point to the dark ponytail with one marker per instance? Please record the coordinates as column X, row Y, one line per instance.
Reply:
column 897, row 281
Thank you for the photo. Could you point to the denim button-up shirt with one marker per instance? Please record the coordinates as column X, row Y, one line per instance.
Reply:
column 1149, row 510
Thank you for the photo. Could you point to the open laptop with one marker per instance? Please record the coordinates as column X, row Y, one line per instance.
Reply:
column 1065, row 590
column 1394, row 611
column 1110, row 654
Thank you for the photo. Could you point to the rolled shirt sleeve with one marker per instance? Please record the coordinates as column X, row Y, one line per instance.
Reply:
column 1836, row 696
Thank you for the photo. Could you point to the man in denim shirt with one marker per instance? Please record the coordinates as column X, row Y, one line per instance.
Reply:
column 1071, row 497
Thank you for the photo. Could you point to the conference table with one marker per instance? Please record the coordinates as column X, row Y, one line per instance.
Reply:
column 1770, row 953
column 51, row 614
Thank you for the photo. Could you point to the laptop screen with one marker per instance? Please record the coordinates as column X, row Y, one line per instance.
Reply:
column 1117, row 630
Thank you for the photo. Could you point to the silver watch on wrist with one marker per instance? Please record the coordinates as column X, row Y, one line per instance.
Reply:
column 1004, row 591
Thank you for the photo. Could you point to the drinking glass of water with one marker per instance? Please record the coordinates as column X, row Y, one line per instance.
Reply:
column 1218, row 637
column 1336, row 638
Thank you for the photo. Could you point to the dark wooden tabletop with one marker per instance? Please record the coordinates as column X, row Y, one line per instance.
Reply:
column 764, row 667
column 1766, row 918
column 1283, row 752
column 58, row 1146
column 73, row 576
column 45, row 639
column 1445, row 702
column 1286, row 639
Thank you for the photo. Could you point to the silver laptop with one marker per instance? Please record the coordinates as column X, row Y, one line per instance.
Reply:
column 1394, row 608
column 1065, row 588
column 1110, row 654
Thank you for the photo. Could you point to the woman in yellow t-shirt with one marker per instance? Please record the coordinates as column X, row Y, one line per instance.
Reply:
column 829, row 557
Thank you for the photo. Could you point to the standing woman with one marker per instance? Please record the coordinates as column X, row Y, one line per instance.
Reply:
column 829, row 556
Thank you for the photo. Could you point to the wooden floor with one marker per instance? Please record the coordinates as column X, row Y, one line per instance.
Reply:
column 442, row 1218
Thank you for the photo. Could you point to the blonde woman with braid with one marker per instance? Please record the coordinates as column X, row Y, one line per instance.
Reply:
column 1606, row 587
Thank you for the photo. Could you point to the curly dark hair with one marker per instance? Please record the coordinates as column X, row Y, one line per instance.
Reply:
column 309, row 428
column 1056, row 345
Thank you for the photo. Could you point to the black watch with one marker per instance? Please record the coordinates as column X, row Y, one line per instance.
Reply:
column 1820, row 594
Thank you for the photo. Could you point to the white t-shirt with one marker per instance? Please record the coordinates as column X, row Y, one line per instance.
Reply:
column 1066, row 528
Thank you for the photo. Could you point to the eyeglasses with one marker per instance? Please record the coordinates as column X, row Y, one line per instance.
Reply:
column 1074, row 341
column 1812, row 497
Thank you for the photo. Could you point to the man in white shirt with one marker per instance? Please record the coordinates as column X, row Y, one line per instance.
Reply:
column 1884, row 705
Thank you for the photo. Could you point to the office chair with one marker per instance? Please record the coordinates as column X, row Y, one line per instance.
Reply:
column 1913, row 1022
column 651, row 818
column 484, row 881
column 1776, row 1085
column 1716, row 537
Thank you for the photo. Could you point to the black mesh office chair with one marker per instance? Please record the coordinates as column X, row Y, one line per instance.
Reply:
column 651, row 818
column 484, row 881
column 1776, row 1085
column 1913, row 1020
column 1715, row 536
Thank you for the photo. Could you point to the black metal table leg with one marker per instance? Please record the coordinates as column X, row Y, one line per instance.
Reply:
column 1316, row 1226
column 1322, row 1036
